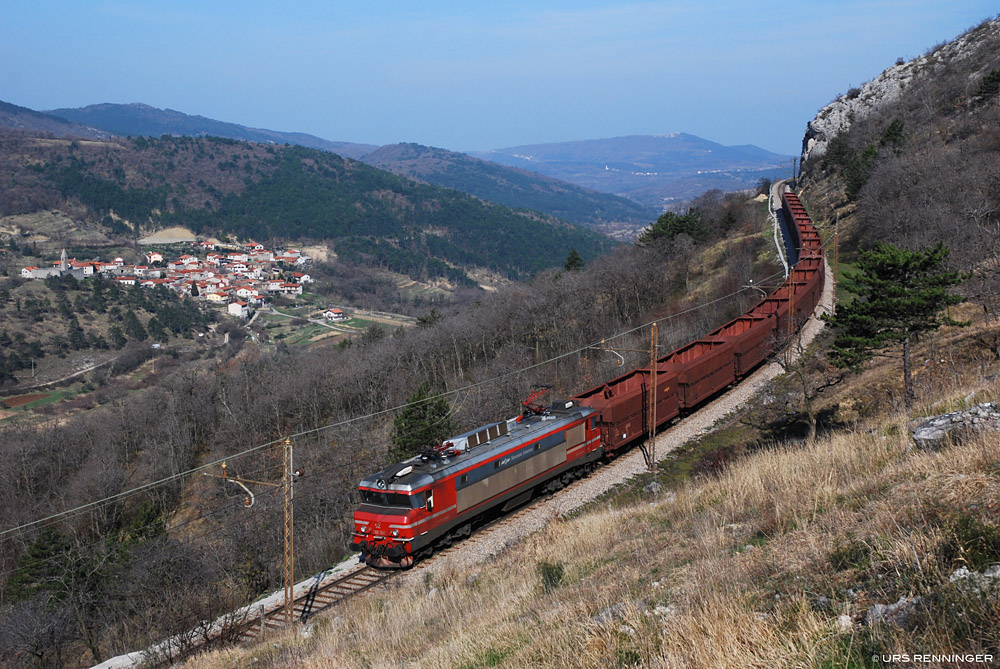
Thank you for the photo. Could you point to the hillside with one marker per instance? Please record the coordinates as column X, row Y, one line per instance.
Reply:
column 913, row 157
column 755, row 547
column 275, row 193
column 652, row 170
column 31, row 122
column 519, row 189
column 159, row 561
column 513, row 187
column 825, row 555
column 140, row 120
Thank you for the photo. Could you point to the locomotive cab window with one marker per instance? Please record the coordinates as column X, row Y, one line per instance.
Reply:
column 393, row 499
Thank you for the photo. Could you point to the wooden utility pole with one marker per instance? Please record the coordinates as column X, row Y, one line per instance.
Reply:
column 649, row 449
column 651, row 457
column 287, row 484
column 289, row 476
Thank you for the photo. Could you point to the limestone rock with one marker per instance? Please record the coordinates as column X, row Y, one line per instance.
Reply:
column 898, row 613
column 933, row 433
column 859, row 103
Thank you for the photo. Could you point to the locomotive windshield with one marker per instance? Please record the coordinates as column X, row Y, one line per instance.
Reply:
column 395, row 499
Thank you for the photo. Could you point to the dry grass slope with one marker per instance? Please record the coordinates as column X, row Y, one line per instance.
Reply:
column 752, row 568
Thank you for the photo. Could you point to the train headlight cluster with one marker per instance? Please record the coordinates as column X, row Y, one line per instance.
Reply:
column 364, row 528
column 395, row 533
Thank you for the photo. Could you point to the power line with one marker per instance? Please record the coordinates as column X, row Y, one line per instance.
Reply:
column 69, row 513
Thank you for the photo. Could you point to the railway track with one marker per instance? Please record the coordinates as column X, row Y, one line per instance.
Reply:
column 318, row 598
column 323, row 595
column 327, row 592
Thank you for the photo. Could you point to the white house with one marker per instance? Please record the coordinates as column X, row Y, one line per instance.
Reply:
column 335, row 315
column 239, row 309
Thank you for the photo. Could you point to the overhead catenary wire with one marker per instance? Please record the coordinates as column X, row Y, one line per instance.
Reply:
column 15, row 531
column 186, row 540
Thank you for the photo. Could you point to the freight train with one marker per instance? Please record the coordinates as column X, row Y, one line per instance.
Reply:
column 440, row 496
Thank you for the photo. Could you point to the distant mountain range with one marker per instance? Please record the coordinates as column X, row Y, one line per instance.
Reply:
column 613, row 185
column 139, row 120
column 650, row 169
column 37, row 123
column 513, row 187
column 521, row 189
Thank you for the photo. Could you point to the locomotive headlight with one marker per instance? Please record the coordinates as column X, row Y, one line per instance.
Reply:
column 395, row 533
column 364, row 528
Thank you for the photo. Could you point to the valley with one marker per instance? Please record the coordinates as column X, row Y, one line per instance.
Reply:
column 211, row 332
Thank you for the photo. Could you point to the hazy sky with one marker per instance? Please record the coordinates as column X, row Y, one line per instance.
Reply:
column 473, row 74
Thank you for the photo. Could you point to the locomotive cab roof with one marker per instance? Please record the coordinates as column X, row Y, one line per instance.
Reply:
column 474, row 447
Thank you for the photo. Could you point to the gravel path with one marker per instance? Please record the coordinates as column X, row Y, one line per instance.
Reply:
column 491, row 541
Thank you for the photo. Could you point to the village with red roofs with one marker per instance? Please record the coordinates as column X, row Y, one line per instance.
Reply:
column 240, row 277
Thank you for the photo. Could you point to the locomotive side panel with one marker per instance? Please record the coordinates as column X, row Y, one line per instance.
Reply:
column 494, row 478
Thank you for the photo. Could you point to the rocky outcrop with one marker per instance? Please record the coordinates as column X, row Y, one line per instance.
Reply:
column 859, row 103
column 934, row 433
column 899, row 613
column 978, row 582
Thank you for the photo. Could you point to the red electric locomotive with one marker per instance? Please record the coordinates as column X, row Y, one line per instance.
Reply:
column 441, row 495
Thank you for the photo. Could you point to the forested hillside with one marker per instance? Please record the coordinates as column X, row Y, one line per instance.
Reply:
column 139, row 120
column 146, row 563
column 519, row 189
column 282, row 194
column 513, row 187
column 62, row 315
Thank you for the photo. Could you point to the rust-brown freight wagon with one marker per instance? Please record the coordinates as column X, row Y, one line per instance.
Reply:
column 622, row 406
column 752, row 338
column 703, row 368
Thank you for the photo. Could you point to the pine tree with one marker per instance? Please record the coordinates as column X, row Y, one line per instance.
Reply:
column 424, row 423
column 901, row 294
column 574, row 261
column 133, row 327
